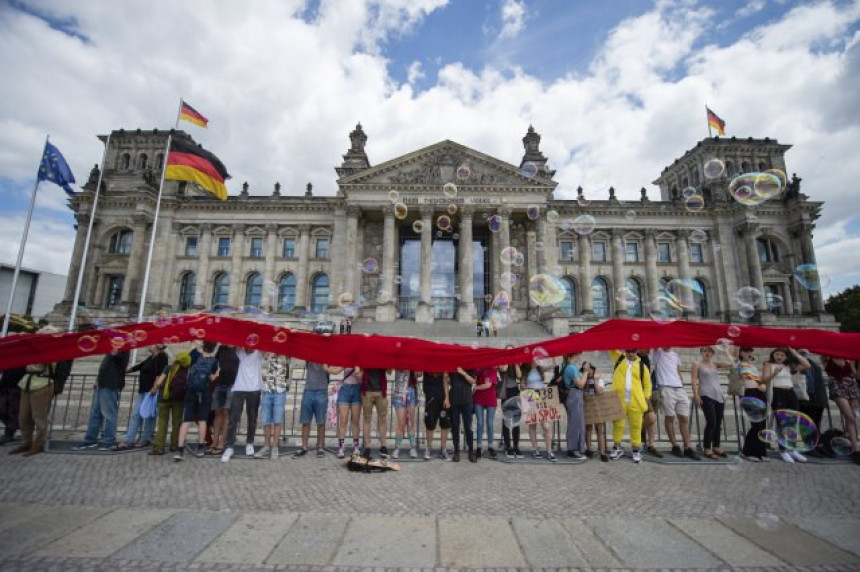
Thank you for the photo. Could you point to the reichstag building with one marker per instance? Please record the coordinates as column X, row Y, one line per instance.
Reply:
column 448, row 233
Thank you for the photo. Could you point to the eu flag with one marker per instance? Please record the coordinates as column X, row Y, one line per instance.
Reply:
column 55, row 169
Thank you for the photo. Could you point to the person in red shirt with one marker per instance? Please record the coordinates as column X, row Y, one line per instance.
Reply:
column 485, row 406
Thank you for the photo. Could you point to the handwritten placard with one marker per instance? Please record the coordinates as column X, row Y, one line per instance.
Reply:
column 541, row 406
column 602, row 408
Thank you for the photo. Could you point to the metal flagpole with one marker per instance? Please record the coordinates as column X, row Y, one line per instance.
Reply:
column 23, row 243
column 140, row 311
column 74, row 314
column 708, row 120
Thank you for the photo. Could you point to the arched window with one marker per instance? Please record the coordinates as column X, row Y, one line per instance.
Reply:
column 125, row 162
column 745, row 167
column 159, row 161
column 287, row 293
column 767, row 251
column 120, row 242
column 142, row 161
column 600, row 297
column 730, row 169
column 568, row 305
column 701, row 298
column 254, row 290
column 319, row 293
column 762, row 166
column 633, row 297
column 221, row 289
column 186, row 290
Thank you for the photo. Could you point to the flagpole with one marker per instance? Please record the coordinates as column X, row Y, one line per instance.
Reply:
column 74, row 314
column 142, row 307
column 23, row 243
column 708, row 120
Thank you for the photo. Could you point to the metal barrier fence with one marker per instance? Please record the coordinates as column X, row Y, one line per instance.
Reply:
column 71, row 410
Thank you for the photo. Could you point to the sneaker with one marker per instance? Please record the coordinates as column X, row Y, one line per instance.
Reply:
column 536, row 454
column 367, row 453
column 798, row 457
column 427, row 453
column 676, row 450
column 263, row 453
column 320, row 452
column 249, row 450
column 637, row 456
column 199, row 451
column 85, row 446
column 604, row 457
column 413, row 453
column 443, row 455
column 691, row 454
column 275, row 453
column 395, row 454
column 589, row 453
column 479, row 453
column 300, row 453
column 751, row 459
column 492, row 452
column 518, row 454
column 107, row 448
column 456, row 457
column 551, row 456
column 616, row 453
column 226, row 455
column 473, row 457
column 177, row 456
column 340, row 453
column 652, row 450
column 383, row 451
column 509, row 453
column 356, row 450
column 785, row 456
column 577, row 455
column 570, row 454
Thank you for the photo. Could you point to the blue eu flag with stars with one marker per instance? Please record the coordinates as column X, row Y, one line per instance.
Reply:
column 55, row 169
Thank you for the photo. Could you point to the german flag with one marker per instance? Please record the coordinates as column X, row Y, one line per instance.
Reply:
column 191, row 115
column 189, row 162
column 714, row 121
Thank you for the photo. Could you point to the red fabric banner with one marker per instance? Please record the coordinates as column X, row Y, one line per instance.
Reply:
column 407, row 353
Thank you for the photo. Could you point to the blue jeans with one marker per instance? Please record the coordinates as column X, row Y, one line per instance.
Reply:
column 273, row 408
column 314, row 405
column 134, row 425
column 103, row 417
column 490, row 412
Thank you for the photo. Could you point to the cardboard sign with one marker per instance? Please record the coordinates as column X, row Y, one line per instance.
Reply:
column 602, row 408
column 544, row 409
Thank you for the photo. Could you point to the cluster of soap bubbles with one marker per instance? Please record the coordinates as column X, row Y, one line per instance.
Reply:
column 747, row 300
column 752, row 189
column 694, row 202
column 546, row 290
column 810, row 277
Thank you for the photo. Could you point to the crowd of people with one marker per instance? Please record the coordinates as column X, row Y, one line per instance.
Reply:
column 211, row 386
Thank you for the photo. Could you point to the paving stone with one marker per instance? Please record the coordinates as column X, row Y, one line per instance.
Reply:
column 178, row 539
column 312, row 540
column 32, row 533
column 478, row 542
column 546, row 543
column 250, row 539
column 843, row 532
column 724, row 543
column 388, row 541
column 789, row 542
column 593, row 549
column 12, row 515
column 651, row 543
column 104, row 536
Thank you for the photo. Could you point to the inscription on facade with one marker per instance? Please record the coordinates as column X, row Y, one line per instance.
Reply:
column 455, row 200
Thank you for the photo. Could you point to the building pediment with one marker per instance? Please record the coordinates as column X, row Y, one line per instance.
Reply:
column 446, row 162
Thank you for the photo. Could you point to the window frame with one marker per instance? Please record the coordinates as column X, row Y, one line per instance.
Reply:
column 221, row 250
column 192, row 251
column 186, row 293
column 696, row 247
column 255, row 249
column 594, row 248
column 627, row 253
column 325, row 250
column 291, row 254
column 668, row 251
column 565, row 246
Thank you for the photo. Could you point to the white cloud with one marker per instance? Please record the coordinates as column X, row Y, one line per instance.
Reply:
column 414, row 72
column 513, row 18
column 282, row 93
column 751, row 8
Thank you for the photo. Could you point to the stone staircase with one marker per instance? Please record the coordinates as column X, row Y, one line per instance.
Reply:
column 450, row 331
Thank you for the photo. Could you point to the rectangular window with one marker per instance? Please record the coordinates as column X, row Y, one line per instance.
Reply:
column 631, row 252
column 224, row 246
column 664, row 252
column 289, row 248
column 257, row 247
column 697, row 255
column 322, row 248
column 114, row 290
column 566, row 250
column 598, row 251
column 191, row 246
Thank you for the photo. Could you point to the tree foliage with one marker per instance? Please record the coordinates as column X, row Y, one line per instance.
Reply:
column 846, row 307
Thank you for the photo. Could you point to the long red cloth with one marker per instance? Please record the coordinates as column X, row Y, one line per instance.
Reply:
column 408, row 353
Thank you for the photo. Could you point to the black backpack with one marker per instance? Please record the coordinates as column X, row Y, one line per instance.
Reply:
column 641, row 369
column 59, row 372
column 558, row 382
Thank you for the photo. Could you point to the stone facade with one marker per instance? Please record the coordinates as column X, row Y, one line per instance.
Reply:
column 381, row 248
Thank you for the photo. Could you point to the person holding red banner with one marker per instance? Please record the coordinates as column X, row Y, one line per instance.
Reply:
column 631, row 380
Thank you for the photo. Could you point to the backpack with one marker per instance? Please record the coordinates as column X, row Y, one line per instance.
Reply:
column 198, row 375
column 563, row 390
column 177, row 386
column 59, row 372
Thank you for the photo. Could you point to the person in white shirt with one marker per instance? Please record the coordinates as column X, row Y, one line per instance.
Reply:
column 676, row 402
column 246, row 393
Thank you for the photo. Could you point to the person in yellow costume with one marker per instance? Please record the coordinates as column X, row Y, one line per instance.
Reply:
column 631, row 380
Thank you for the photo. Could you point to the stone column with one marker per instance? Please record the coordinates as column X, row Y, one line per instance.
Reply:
column 269, row 292
column 82, row 220
column 302, row 275
column 550, row 247
column 338, row 251
column 237, row 245
column 653, row 281
column 584, row 244
column 164, row 259
column 349, row 281
column 682, row 247
column 204, row 252
column 387, row 312
column 504, row 242
column 788, row 299
column 618, row 268
column 466, row 268
column 816, row 300
column 493, row 257
column 540, row 236
column 424, row 311
column 749, row 233
column 130, row 287
column 728, row 265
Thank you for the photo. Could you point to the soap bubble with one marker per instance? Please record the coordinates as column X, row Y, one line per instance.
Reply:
column 699, row 236
column 714, row 168
column 507, row 280
column 546, row 290
column 280, row 337
column 768, row 436
column 455, row 236
column 443, row 222
column 529, row 170
column 519, row 259
column 450, row 190
column 685, row 293
column 417, row 226
column 630, row 215
column 494, row 223
column 625, row 297
column 774, row 302
column 370, row 266
column 754, row 409
column 394, row 197
column 398, row 279
column 452, row 209
column 795, row 430
column 383, row 297
column 252, row 340
column 400, row 211
column 507, row 255
column 747, row 296
column 807, row 276
column 780, row 175
column 746, row 311
column 539, row 245
column 582, row 201
column 533, row 212
column 584, row 224
column 464, row 172
column 664, row 309
column 694, row 203
column 689, row 192
column 541, row 357
column 87, row 343
column 767, row 521
column 733, row 331
column 512, row 413
column 552, row 216
column 841, row 446
column 767, row 185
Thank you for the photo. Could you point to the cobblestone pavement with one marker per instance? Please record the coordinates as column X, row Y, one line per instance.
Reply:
column 134, row 511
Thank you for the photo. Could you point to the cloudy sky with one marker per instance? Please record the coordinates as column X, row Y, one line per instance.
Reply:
column 616, row 88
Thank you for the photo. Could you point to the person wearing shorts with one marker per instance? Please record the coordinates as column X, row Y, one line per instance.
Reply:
column 437, row 411
column 198, row 403
column 349, row 409
column 404, row 401
column 675, row 401
column 315, row 404
column 374, row 394
column 276, row 384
